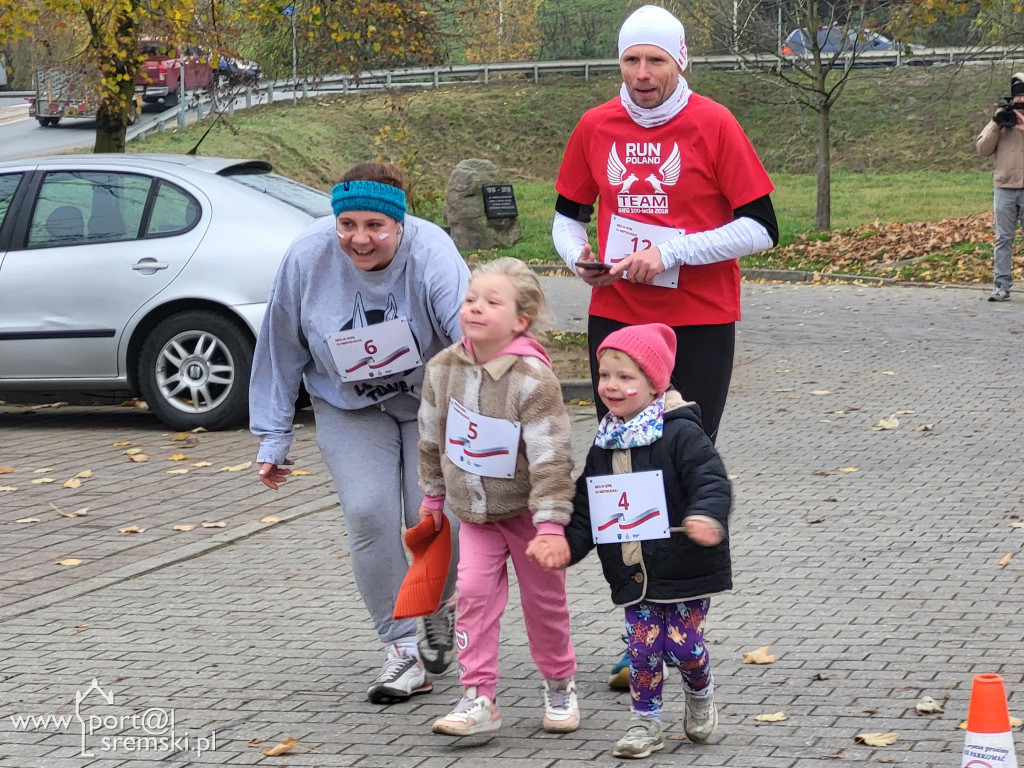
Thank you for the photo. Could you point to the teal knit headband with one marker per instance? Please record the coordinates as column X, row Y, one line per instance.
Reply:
column 368, row 196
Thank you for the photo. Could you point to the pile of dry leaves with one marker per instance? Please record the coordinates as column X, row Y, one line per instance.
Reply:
column 954, row 250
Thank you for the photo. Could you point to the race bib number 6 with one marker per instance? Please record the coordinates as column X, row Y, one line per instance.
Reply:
column 374, row 351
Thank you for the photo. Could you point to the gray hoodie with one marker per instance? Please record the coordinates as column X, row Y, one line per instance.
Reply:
column 319, row 291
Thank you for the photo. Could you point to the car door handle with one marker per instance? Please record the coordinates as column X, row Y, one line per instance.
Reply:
column 148, row 264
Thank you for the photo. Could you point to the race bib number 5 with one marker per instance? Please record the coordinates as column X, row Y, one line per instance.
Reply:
column 480, row 444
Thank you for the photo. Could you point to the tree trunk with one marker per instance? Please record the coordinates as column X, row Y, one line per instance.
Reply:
column 118, row 74
column 823, row 209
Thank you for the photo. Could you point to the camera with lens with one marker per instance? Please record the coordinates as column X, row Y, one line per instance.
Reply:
column 1004, row 116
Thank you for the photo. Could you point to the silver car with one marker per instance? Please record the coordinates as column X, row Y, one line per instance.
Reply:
column 142, row 274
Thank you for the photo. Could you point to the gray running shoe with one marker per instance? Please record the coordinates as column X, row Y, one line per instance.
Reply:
column 399, row 678
column 999, row 294
column 643, row 736
column 437, row 641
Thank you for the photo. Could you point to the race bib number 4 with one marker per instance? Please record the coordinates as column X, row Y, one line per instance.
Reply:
column 626, row 236
column 480, row 444
column 629, row 507
column 374, row 351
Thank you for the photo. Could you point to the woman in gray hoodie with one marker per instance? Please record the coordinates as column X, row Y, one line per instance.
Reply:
column 362, row 300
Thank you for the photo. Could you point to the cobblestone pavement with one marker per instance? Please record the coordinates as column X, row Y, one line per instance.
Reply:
column 868, row 560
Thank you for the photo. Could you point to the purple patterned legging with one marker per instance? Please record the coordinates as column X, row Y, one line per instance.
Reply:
column 672, row 633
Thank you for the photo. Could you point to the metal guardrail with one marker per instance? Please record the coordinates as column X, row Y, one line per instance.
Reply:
column 435, row 77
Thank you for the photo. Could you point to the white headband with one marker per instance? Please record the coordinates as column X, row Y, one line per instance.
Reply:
column 652, row 25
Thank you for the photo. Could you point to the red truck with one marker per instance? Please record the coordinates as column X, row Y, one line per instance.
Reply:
column 159, row 78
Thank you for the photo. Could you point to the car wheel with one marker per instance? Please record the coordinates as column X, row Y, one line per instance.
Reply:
column 193, row 371
column 171, row 99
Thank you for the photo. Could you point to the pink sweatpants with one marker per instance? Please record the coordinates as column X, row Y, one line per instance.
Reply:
column 484, row 550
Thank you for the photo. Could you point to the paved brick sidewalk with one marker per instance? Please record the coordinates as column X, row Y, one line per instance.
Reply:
column 872, row 587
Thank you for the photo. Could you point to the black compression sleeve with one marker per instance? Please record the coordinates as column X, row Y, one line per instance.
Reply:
column 761, row 211
column 574, row 210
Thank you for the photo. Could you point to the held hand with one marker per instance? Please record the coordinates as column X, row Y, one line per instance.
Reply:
column 436, row 514
column 549, row 551
column 273, row 475
column 593, row 277
column 702, row 532
column 642, row 266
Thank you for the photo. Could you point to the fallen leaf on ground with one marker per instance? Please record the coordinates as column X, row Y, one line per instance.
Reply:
column 139, row 458
column 849, row 469
column 177, row 471
column 69, row 561
column 877, row 739
column 41, row 471
column 890, row 423
column 6, row 470
column 236, row 467
column 759, row 656
column 1016, row 722
column 813, row 520
column 775, row 717
column 80, row 629
column 121, row 443
column 281, row 748
column 300, row 472
column 198, row 429
column 782, row 370
column 132, row 451
column 8, row 487
column 219, row 524
column 888, row 373
column 820, row 392
column 74, row 482
column 42, row 480
column 270, row 519
column 28, row 520
column 181, row 437
column 60, row 404
column 183, row 527
column 131, row 529
column 1016, row 525
column 77, row 513
column 253, row 742
column 1006, row 560
column 178, row 457
column 925, row 428
column 85, row 474
column 926, row 705
column 203, row 464
column 821, row 676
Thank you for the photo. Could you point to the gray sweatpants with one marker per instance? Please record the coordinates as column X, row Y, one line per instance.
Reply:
column 372, row 457
column 1008, row 210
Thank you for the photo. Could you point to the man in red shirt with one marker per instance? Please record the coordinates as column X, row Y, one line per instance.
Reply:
column 682, row 196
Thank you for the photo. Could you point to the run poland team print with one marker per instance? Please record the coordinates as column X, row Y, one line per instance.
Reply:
column 650, row 196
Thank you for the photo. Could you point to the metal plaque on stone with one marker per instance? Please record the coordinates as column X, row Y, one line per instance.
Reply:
column 499, row 201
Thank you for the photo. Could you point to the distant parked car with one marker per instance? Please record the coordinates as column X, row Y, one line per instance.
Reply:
column 234, row 72
column 144, row 275
column 839, row 39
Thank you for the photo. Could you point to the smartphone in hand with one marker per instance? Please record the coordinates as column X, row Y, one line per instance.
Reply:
column 597, row 266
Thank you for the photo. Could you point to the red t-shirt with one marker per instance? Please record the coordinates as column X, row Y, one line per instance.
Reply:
column 690, row 173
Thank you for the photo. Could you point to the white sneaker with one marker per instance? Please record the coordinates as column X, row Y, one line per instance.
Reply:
column 700, row 718
column 399, row 678
column 473, row 714
column 437, row 642
column 561, row 710
column 643, row 736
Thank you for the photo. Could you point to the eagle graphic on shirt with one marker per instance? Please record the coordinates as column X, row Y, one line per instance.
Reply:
column 636, row 167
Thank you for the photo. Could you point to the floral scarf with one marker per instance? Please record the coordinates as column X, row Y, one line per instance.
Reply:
column 652, row 118
column 643, row 429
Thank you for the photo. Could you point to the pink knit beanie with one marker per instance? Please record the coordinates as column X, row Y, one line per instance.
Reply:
column 652, row 346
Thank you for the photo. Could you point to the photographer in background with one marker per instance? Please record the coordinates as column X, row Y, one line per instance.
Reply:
column 1004, row 138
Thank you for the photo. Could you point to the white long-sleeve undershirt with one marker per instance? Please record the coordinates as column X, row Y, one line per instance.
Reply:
column 739, row 237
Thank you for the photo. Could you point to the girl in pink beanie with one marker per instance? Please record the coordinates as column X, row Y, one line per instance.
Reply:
column 662, row 533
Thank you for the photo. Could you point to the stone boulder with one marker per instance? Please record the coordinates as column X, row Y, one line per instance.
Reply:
column 464, row 208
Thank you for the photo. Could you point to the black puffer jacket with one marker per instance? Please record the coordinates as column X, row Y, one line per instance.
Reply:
column 676, row 568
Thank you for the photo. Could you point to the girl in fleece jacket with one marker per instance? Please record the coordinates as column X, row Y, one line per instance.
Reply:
column 495, row 444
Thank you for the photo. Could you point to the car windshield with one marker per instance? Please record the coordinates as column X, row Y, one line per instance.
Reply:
column 306, row 199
